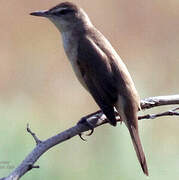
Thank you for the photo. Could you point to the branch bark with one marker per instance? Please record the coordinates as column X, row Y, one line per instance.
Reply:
column 96, row 119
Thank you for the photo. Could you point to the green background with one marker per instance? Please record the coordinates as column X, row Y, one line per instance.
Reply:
column 37, row 86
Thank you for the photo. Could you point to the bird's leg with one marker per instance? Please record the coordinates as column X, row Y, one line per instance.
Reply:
column 84, row 122
column 120, row 120
column 118, row 117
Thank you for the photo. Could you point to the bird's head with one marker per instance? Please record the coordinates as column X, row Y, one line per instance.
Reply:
column 65, row 16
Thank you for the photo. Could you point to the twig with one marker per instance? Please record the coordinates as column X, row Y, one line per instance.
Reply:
column 33, row 167
column 166, row 113
column 159, row 101
column 37, row 140
column 96, row 119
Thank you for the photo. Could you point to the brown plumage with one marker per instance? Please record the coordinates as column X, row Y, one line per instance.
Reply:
column 110, row 85
column 99, row 69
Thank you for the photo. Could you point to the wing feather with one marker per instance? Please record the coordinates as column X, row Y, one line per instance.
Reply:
column 98, row 76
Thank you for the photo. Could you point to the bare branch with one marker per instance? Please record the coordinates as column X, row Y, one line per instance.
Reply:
column 37, row 140
column 159, row 101
column 166, row 113
column 96, row 119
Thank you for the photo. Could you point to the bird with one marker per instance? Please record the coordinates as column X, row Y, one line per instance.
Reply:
column 99, row 68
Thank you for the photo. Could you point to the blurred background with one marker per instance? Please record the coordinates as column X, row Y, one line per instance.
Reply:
column 37, row 86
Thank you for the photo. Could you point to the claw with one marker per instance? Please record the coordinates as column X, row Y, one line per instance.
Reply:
column 89, row 125
column 91, row 132
column 80, row 135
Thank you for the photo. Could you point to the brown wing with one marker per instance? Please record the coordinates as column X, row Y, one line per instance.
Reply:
column 97, row 74
column 107, row 77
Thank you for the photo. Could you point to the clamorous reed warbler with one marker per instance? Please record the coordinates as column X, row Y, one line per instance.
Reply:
column 99, row 68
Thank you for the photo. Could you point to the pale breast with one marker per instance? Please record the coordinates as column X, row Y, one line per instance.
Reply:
column 71, row 49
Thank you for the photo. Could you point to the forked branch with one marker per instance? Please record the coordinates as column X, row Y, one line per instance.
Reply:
column 96, row 119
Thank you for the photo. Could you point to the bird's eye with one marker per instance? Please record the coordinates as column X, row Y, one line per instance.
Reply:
column 65, row 11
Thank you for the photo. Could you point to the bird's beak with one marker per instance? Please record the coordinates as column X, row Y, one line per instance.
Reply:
column 44, row 13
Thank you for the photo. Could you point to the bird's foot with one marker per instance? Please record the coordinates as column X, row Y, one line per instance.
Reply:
column 84, row 122
column 120, row 121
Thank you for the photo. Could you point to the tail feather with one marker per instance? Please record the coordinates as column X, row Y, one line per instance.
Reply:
column 138, row 148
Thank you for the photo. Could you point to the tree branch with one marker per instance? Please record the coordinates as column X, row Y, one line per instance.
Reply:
column 96, row 119
column 37, row 140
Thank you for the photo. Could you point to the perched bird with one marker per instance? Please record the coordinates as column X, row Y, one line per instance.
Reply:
column 98, row 68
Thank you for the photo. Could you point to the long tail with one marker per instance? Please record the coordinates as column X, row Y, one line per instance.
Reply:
column 138, row 148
